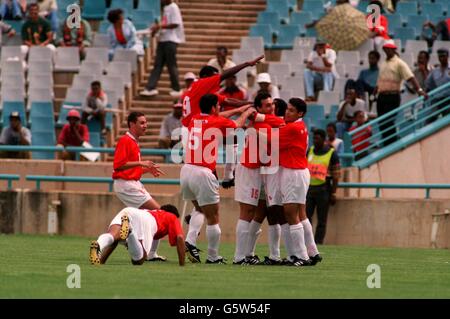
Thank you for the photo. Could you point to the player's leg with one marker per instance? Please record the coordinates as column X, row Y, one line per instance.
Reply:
column 106, row 243
column 274, row 257
column 231, row 146
column 195, row 224
column 213, row 233
column 254, row 231
column 246, row 213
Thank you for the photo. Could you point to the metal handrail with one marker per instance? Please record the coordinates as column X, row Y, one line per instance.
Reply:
column 9, row 178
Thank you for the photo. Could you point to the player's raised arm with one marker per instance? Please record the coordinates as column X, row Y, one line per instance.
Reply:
column 240, row 122
column 238, row 110
column 232, row 71
column 181, row 250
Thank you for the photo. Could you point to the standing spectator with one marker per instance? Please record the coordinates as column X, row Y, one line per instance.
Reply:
column 324, row 167
column 379, row 33
column 73, row 134
column 346, row 113
column 122, row 33
column 392, row 73
column 367, row 79
column 49, row 9
column 320, row 67
column 221, row 62
column 440, row 30
column 15, row 134
column 332, row 140
column 171, row 35
column 232, row 91
column 11, row 10
column 96, row 102
column 73, row 37
column 422, row 70
column 36, row 31
column 439, row 76
column 170, row 123
column 360, row 140
column 265, row 86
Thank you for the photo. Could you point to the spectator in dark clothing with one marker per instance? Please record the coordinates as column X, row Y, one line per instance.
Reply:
column 15, row 134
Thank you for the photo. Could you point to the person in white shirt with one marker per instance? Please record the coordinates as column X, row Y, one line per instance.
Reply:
column 334, row 141
column 170, row 123
column 320, row 67
column 265, row 85
column 347, row 109
column 171, row 35
column 221, row 62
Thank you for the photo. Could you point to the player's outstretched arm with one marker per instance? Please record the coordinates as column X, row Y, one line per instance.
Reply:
column 181, row 250
column 240, row 122
column 238, row 110
column 232, row 71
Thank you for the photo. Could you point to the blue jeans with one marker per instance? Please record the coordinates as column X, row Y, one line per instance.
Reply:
column 341, row 128
column 311, row 76
column 53, row 19
column 10, row 13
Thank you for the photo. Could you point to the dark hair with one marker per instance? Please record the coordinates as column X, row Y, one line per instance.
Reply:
column 133, row 116
column 207, row 71
column 375, row 53
column 31, row 5
column 207, row 102
column 280, row 107
column 427, row 55
column 170, row 209
column 379, row 4
column 114, row 15
column 96, row 83
column 320, row 132
column 299, row 104
column 222, row 48
column 332, row 125
column 260, row 97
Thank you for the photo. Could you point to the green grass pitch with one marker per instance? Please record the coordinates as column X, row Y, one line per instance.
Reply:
column 35, row 267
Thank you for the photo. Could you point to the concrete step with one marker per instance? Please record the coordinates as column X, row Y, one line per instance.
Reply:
column 240, row 7
column 220, row 18
column 212, row 14
column 215, row 31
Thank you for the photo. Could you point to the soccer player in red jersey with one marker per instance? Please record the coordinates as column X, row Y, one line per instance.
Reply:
column 137, row 228
column 198, row 182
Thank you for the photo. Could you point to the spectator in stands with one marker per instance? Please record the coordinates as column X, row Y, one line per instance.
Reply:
column 393, row 72
column 232, row 90
column 15, row 134
column 96, row 102
column 334, row 141
column 437, row 77
column 361, row 139
column 168, row 126
column 440, row 30
column 189, row 78
column 11, row 10
column 49, row 9
column 171, row 35
column 422, row 70
column 347, row 110
column 221, row 62
column 36, row 31
column 320, row 67
column 75, row 37
column 73, row 134
column 280, row 107
column 379, row 33
column 324, row 167
column 122, row 33
column 7, row 29
column 367, row 79
column 265, row 86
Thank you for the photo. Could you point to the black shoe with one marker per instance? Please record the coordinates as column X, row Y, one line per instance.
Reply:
column 251, row 260
column 228, row 183
column 315, row 259
column 270, row 262
column 219, row 260
column 187, row 219
column 285, row 262
column 240, row 262
column 298, row 262
column 193, row 253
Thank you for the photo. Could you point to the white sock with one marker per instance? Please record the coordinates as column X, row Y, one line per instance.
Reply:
column 287, row 240
column 213, row 235
column 230, row 167
column 309, row 238
column 241, row 239
column 154, row 248
column 253, row 248
column 105, row 240
column 252, row 237
column 274, row 241
column 195, row 225
column 135, row 248
column 298, row 241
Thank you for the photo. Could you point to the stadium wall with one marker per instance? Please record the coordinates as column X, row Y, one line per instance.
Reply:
column 366, row 222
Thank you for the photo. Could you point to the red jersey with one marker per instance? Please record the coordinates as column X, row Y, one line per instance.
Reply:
column 127, row 150
column 293, row 145
column 205, row 134
column 67, row 137
column 361, row 136
column 191, row 98
column 239, row 94
column 382, row 29
column 168, row 224
column 251, row 154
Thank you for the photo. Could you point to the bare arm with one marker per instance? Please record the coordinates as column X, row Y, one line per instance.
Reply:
column 232, row 71
column 417, row 87
column 180, row 250
column 235, row 111
column 240, row 122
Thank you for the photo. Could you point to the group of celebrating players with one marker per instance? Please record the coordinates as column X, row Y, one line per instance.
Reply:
column 271, row 180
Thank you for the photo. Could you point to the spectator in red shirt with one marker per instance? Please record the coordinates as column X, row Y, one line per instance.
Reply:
column 72, row 134
column 361, row 140
column 378, row 32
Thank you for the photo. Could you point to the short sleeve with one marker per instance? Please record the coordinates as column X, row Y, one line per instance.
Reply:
column 274, row 121
column 174, row 16
column 120, row 154
column 175, row 230
column 405, row 71
column 331, row 56
column 285, row 137
column 311, row 56
column 26, row 134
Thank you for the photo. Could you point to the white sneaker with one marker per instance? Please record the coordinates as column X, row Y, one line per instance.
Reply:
column 149, row 93
column 175, row 93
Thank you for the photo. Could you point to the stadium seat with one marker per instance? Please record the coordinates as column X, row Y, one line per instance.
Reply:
column 416, row 22
column 13, row 80
column 262, row 30
column 256, row 44
column 296, row 86
column 332, row 115
column 415, row 46
column 43, row 139
column 92, row 68
column 100, row 41
column 67, row 59
column 41, row 109
column 304, row 43
column 124, row 55
column 431, row 8
column 311, row 32
column 94, row 139
column 286, row 94
column 242, row 55
column 315, row 112
column 11, row 53
column 438, row 44
column 39, row 95
column 314, row 7
column 269, row 17
column 113, row 99
column 40, row 67
column 40, row 54
column 279, row 69
column 301, row 18
column 143, row 17
column 409, row 57
column 76, row 95
column 113, row 83
column 279, row 6
column 340, row 69
column 12, row 67
column 287, row 34
column 126, row 5
column 352, row 71
column 407, row 8
column 365, row 48
column 121, row 69
column 349, row 57
column 394, row 21
column 93, row 10
column 39, row 81
column 339, row 86
column 279, row 80
column 13, row 94
column 292, row 56
column 66, row 106
column 97, row 55
column 327, row 99
column 154, row 6
column 16, row 25
column 42, row 124
column 404, row 34
column 82, row 81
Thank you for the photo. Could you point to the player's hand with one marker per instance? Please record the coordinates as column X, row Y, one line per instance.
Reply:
column 152, row 168
column 11, row 33
column 255, row 61
column 424, row 94
column 244, row 108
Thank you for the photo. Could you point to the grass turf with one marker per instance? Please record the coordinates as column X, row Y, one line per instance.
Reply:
column 35, row 267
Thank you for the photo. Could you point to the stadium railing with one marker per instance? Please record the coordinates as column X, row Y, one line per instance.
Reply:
column 9, row 178
column 379, row 186
column 412, row 122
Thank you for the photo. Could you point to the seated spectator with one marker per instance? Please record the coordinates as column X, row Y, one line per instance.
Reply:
column 361, row 140
column 320, row 68
column 73, row 37
column 232, row 90
column 48, row 9
column 122, row 33
column 440, row 31
column 15, row 134
column 170, row 123
column 379, row 33
column 5, row 28
column 73, row 134
column 189, row 78
column 265, row 86
column 367, row 79
column 12, row 9
column 334, row 141
column 280, row 107
column 36, row 31
column 221, row 62
column 347, row 112
column 96, row 102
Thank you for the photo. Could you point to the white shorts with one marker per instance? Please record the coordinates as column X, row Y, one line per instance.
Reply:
column 294, row 184
column 199, row 183
column 143, row 224
column 272, row 188
column 131, row 193
column 247, row 185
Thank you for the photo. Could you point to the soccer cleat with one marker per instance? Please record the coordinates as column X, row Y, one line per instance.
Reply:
column 149, row 92
column 315, row 259
column 124, row 227
column 271, row 262
column 219, row 260
column 298, row 262
column 193, row 253
column 251, row 260
column 157, row 257
column 94, row 253
column 228, row 183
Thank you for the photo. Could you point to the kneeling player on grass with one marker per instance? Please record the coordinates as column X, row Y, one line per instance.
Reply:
column 137, row 228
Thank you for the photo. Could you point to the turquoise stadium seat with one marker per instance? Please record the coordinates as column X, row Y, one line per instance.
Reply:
column 42, row 124
column 394, row 21
column 93, row 10
column 404, row 34
column 109, row 118
column 262, row 30
column 103, row 27
column 416, row 22
column 287, row 34
column 9, row 107
column 16, row 25
column 138, row 16
column 333, row 112
column 315, row 113
column 315, row 7
column 270, row 18
column 311, row 33
column 127, row 5
column 280, row 6
column 43, row 139
column 95, row 139
column 301, row 18
column 150, row 5
column 407, row 8
column 431, row 8
column 41, row 109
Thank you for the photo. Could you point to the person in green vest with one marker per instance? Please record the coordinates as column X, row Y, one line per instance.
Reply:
column 324, row 167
